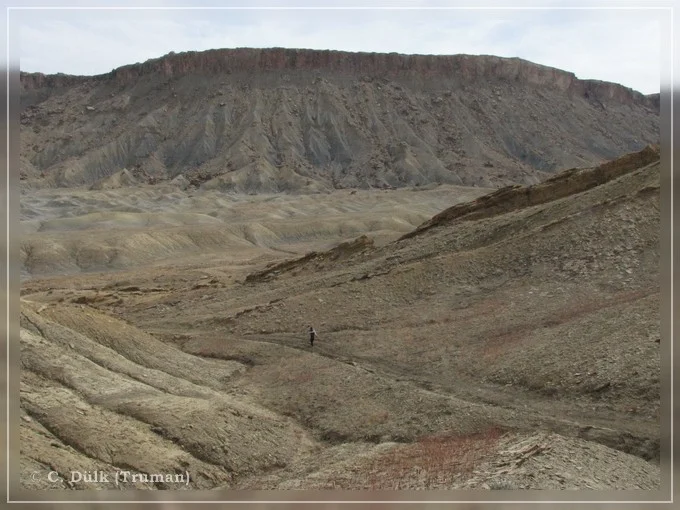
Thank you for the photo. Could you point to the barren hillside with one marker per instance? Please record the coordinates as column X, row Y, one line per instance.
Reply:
column 67, row 231
column 277, row 120
column 511, row 343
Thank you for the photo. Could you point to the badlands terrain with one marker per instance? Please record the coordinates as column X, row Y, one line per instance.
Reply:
column 510, row 342
column 275, row 120
column 491, row 322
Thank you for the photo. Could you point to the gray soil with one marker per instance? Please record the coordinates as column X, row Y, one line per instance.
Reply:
column 271, row 121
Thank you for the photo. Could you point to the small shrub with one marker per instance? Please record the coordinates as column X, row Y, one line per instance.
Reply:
column 377, row 418
column 501, row 484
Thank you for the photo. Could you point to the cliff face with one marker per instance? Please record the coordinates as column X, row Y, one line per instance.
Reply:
column 459, row 69
column 35, row 81
column 280, row 119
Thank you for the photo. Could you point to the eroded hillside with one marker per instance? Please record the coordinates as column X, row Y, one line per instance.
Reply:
column 517, row 348
column 275, row 120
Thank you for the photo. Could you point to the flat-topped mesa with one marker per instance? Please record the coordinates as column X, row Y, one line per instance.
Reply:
column 452, row 69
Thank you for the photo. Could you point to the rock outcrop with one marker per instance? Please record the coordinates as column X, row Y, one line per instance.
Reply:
column 562, row 185
column 459, row 69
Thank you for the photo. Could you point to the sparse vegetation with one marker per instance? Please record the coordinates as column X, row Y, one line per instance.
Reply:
column 501, row 484
column 529, row 314
column 434, row 461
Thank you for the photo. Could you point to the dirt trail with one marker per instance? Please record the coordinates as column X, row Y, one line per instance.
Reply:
column 618, row 430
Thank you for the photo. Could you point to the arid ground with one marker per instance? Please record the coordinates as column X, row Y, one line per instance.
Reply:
column 484, row 285
column 508, row 342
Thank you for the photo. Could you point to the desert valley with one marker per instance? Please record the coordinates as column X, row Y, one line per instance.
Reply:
column 475, row 240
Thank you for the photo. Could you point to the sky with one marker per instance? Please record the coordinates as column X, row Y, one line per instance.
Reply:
column 622, row 46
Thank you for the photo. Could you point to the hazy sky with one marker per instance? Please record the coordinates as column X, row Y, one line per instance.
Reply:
column 622, row 46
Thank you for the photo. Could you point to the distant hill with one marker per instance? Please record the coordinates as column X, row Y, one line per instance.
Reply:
column 277, row 120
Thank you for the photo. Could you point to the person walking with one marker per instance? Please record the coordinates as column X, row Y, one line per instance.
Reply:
column 312, row 335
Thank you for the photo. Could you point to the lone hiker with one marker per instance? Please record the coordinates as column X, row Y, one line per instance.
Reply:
column 312, row 335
